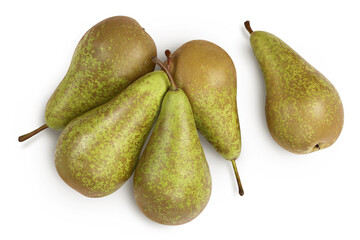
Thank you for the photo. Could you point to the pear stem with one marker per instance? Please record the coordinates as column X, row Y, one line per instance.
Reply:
column 241, row 190
column 166, row 70
column 247, row 26
column 30, row 134
column 169, row 59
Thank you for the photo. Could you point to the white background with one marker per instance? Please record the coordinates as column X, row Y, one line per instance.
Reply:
column 287, row 196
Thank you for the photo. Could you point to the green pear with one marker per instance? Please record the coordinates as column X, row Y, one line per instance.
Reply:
column 207, row 75
column 172, row 182
column 108, row 58
column 304, row 112
column 97, row 151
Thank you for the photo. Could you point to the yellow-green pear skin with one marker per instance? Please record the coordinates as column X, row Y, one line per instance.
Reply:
column 207, row 75
column 109, row 57
column 172, row 182
column 304, row 112
column 97, row 151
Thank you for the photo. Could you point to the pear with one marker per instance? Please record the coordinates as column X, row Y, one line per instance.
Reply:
column 207, row 75
column 172, row 182
column 304, row 112
column 109, row 57
column 97, row 151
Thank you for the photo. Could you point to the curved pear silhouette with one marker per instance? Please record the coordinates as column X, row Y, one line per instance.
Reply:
column 97, row 151
column 207, row 75
column 108, row 58
column 304, row 112
column 172, row 182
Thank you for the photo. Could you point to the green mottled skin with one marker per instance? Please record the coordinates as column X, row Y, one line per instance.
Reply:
column 172, row 182
column 97, row 151
column 108, row 58
column 303, row 108
column 207, row 75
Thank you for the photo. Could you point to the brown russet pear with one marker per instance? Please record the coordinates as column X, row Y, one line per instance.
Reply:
column 97, row 151
column 304, row 112
column 108, row 58
column 172, row 182
column 207, row 75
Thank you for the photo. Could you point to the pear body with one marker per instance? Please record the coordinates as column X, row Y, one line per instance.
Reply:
column 304, row 112
column 109, row 57
column 207, row 75
column 172, row 182
column 97, row 151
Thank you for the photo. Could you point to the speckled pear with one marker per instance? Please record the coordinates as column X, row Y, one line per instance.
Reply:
column 304, row 112
column 207, row 75
column 97, row 151
column 108, row 58
column 172, row 182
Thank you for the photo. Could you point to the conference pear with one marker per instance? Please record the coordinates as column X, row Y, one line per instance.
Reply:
column 207, row 75
column 304, row 112
column 108, row 58
column 97, row 151
column 172, row 182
